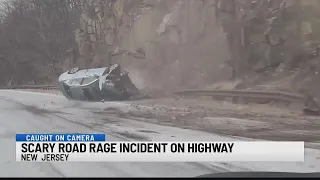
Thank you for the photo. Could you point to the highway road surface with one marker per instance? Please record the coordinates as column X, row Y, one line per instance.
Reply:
column 30, row 112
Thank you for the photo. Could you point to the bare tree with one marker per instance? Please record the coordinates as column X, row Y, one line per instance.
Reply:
column 35, row 37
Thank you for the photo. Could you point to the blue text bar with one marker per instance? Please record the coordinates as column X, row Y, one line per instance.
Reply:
column 60, row 137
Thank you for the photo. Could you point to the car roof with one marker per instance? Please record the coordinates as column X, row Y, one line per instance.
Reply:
column 82, row 74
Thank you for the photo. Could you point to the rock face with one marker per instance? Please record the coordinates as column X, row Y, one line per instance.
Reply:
column 165, row 44
column 174, row 44
column 267, row 33
column 264, row 36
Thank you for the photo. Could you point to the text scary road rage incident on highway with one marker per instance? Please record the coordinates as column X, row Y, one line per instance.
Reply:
column 95, row 148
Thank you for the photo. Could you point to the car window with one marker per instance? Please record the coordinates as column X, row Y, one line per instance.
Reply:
column 88, row 80
column 76, row 81
column 96, row 71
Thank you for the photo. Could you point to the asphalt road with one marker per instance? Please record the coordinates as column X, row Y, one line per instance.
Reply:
column 27, row 112
column 15, row 118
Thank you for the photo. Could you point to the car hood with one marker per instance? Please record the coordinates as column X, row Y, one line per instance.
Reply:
column 261, row 174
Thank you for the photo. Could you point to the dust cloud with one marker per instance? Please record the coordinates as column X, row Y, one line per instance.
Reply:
column 185, row 48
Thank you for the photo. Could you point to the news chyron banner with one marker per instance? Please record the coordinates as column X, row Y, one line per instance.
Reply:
column 97, row 148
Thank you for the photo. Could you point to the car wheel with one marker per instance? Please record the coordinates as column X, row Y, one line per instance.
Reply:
column 73, row 70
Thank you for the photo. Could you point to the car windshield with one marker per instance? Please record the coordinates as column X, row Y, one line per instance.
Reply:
column 76, row 81
column 159, row 88
column 88, row 80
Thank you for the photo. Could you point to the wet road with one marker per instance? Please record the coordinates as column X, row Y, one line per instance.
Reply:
column 17, row 118
column 27, row 112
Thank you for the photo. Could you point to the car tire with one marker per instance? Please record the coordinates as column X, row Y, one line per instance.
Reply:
column 73, row 70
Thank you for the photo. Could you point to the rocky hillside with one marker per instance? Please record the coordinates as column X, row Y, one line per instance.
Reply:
column 274, row 43
column 165, row 44
column 192, row 43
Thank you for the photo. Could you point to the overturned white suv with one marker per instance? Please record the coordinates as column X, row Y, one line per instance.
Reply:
column 99, row 84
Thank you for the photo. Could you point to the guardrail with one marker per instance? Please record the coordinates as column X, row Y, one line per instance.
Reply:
column 251, row 94
column 266, row 95
column 30, row 87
